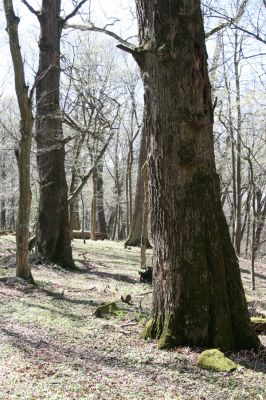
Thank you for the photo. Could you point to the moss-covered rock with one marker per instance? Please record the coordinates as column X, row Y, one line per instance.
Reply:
column 108, row 309
column 215, row 360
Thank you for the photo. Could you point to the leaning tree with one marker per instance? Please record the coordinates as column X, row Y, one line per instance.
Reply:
column 198, row 294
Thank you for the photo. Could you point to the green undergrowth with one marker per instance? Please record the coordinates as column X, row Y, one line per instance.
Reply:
column 53, row 347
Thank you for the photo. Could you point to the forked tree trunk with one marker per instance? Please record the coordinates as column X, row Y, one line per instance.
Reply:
column 198, row 295
column 54, row 238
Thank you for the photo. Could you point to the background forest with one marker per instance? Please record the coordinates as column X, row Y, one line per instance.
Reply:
column 101, row 101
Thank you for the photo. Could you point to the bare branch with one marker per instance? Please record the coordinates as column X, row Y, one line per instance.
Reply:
column 230, row 21
column 74, row 12
column 38, row 78
column 20, row 82
column 30, row 8
column 217, row 29
column 85, row 178
column 93, row 28
column 126, row 48
column 256, row 36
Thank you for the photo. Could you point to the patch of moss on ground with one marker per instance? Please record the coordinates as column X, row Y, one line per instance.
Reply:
column 215, row 360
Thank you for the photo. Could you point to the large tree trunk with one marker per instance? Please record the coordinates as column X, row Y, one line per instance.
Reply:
column 54, row 239
column 198, row 295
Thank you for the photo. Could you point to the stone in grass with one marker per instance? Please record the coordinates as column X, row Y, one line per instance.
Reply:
column 108, row 309
column 215, row 360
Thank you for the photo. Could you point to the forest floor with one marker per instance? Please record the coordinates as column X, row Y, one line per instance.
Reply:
column 53, row 347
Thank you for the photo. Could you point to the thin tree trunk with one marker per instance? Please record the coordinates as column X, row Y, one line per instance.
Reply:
column 134, row 238
column 115, row 221
column 94, row 205
column 248, row 233
column 23, row 156
column 100, row 196
column 74, row 206
column 3, row 193
column 12, row 215
column 238, row 219
column 247, row 212
column 231, row 139
column 129, row 188
column 260, row 226
column 253, row 249
column 144, row 233
column 198, row 297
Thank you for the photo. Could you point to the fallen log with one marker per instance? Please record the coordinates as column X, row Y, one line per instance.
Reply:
column 8, row 232
column 87, row 235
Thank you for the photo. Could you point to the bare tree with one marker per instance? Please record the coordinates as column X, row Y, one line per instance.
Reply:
column 23, row 154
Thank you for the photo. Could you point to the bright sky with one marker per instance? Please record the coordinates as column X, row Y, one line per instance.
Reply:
column 102, row 12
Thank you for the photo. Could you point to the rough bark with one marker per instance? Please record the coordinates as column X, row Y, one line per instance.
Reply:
column 23, row 156
column 54, row 238
column 198, row 295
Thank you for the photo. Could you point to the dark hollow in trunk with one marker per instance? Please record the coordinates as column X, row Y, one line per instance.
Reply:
column 198, row 294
